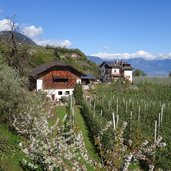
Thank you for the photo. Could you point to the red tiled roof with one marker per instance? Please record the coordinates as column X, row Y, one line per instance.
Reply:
column 42, row 68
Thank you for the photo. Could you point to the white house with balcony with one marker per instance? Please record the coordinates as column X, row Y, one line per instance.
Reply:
column 114, row 70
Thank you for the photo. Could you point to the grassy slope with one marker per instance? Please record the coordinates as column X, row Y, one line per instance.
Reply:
column 42, row 55
column 82, row 126
column 10, row 155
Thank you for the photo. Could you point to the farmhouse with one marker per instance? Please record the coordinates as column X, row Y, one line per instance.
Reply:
column 57, row 79
column 114, row 70
column 87, row 80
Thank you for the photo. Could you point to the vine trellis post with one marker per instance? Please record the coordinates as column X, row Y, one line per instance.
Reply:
column 155, row 131
column 114, row 123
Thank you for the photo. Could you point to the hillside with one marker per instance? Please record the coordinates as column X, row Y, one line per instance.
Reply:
column 39, row 55
column 74, row 57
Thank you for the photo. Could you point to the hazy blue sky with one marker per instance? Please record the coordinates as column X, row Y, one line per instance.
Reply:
column 118, row 27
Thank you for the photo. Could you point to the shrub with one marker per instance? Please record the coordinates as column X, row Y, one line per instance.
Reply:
column 12, row 92
column 78, row 94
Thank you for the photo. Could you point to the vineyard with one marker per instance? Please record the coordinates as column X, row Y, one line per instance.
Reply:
column 131, row 124
column 157, row 80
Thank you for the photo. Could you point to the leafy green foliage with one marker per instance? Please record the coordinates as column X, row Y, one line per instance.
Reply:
column 138, row 73
column 62, row 52
column 139, row 105
column 78, row 94
column 10, row 154
column 12, row 92
column 73, row 57
column 24, row 57
column 16, row 54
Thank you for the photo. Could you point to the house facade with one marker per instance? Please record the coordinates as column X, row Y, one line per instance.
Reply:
column 114, row 70
column 57, row 79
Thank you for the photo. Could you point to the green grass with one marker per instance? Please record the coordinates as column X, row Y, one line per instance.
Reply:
column 60, row 112
column 10, row 154
column 133, row 167
column 156, row 80
column 86, row 135
column 82, row 126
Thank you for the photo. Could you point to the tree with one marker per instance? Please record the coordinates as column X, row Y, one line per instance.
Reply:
column 17, row 54
column 57, row 54
column 12, row 91
column 78, row 94
column 139, row 73
column 53, row 147
column 170, row 74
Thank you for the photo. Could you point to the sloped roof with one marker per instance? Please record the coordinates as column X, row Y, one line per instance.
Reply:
column 118, row 64
column 111, row 64
column 114, row 65
column 88, row 76
column 41, row 68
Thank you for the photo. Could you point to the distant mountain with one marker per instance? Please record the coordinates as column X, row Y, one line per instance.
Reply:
column 150, row 67
column 95, row 59
column 4, row 35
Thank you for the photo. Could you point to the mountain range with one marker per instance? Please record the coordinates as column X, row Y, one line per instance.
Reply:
column 155, row 67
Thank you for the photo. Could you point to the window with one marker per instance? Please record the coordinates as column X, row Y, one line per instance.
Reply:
column 63, row 80
column 59, row 79
column 67, row 92
column 59, row 92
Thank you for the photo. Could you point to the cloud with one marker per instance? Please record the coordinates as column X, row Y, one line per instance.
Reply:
column 32, row 31
column 140, row 53
column 5, row 25
column 62, row 43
